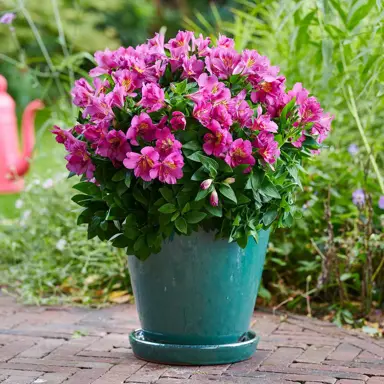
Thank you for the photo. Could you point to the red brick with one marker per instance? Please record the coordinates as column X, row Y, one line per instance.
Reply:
column 315, row 354
column 86, row 376
column 344, row 352
column 249, row 365
column 148, row 373
column 13, row 349
column 347, row 381
column 282, row 357
column 42, row 348
column 376, row 380
column 55, row 377
column 180, row 372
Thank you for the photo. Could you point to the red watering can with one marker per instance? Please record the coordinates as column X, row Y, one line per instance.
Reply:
column 13, row 164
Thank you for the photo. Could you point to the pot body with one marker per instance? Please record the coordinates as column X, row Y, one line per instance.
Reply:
column 198, row 290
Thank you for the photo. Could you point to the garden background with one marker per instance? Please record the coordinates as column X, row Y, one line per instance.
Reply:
column 329, row 264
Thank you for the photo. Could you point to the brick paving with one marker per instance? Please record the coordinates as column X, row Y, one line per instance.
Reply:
column 54, row 345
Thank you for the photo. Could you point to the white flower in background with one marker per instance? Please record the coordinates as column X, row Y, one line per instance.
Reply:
column 24, row 217
column 19, row 203
column 60, row 245
column 48, row 184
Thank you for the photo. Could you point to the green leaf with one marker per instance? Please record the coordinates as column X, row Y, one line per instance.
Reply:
column 268, row 189
column 139, row 243
column 214, row 211
column 200, row 174
column 179, row 88
column 121, row 188
column 88, row 188
column 167, row 208
column 128, row 179
column 203, row 193
column 120, row 241
column 195, row 217
column 187, row 207
column 242, row 199
column 167, row 194
column 227, row 191
column 195, row 156
column 269, row 217
column 359, row 13
column 120, row 175
column 193, row 145
column 138, row 195
column 181, row 225
column 286, row 109
column 242, row 241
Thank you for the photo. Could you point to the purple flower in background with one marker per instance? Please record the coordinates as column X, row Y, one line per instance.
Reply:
column 381, row 202
column 7, row 18
column 353, row 149
column 358, row 197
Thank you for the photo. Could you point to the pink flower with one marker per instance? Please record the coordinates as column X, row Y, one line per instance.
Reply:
column 310, row 111
column 206, row 184
column 170, row 169
column 156, row 45
column 93, row 133
column 179, row 46
column 105, row 60
column 201, row 45
column 268, row 91
column 116, row 98
column 268, row 148
column 63, row 136
column 218, row 141
column 252, row 63
column 79, row 160
column 240, row 109
column 192, row 67
column 322, row 127
column 82, row 93
column 113, row 145
column 142, row 163
column 220, row 113
column 225, row 42
column 99, row 108
column 127, row 80
column 101, row 86
column 201, row 112
column 178, row 121
column 263, row 122
column 152, row 97
column 166, row 143
column 240, row 152
column 299, row 142
column 222, row 62
column 299, row 92
column 141, row 126
column 214, row 199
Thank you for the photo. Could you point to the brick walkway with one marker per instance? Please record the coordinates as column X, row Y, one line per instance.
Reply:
column 84, row 346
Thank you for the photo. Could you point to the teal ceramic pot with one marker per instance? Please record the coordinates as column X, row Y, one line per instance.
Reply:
column 195, row 299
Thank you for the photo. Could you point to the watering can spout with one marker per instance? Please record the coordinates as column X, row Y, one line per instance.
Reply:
column 28, row 136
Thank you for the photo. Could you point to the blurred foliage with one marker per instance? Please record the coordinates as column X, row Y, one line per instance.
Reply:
column 332, row 259
column 46, row 259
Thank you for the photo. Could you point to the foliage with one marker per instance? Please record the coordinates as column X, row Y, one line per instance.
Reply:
column 218, row 104
column 44, row 259
column 337, row 50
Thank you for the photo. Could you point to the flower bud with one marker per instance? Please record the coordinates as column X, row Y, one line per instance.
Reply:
column 214, row 199
column 206, row 184
column 229, row 180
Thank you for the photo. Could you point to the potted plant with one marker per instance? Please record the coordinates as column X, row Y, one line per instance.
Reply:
column 189, row 153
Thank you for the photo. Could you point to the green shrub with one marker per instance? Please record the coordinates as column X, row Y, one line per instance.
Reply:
column 46, row 259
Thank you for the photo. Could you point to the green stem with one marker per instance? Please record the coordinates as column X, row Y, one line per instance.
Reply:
column 353, row 109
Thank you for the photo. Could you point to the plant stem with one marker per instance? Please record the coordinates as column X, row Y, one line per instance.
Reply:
column 353, row 109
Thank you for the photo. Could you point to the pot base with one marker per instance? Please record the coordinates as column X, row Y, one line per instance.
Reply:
column 179, row 354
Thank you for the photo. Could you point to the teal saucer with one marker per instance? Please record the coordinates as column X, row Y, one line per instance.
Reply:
column 179, row 354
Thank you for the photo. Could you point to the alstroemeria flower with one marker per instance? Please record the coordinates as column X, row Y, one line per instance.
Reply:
column 299, row 142
column 263, row 122
column 322, row 127
column 214, row 199
column 79, row 160
column 201, row 45
column 82, row 92
column 267, row 147
column 141, row 126
column 152, row 97
column 192, row 67
column 178, row 121
column 99, row 108
column 64, row 136
column 202, row 111
column 220, row 113
column 240, row 152
column 218, row 141
column 142, row 163
column 170, row 169
column 113, row 145
column 222, row 62
column 179, row 46
column 105, row 62
column 127, row 80
column 268, row 91
column 166, row 143
column 225, row 42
